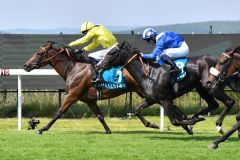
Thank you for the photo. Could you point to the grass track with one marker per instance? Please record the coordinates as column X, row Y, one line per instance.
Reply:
column 85, row 139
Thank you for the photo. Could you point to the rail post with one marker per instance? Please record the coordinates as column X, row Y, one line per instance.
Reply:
column 19, row 102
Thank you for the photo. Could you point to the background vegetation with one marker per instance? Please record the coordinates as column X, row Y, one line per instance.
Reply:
column 45, row 104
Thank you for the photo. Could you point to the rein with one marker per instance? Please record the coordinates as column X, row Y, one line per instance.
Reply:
column 145, row 72
column 134, row 56
column 140, row 58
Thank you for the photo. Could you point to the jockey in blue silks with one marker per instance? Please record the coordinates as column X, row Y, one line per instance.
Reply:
column 168, row 46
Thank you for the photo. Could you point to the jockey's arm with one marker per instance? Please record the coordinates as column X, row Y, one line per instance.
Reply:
column 92, row 45
column 82, row 40
column 157, row 50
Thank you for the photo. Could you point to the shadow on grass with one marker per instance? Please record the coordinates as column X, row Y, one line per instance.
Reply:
column 159, row 136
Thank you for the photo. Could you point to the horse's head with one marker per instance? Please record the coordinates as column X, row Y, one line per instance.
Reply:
column 228, row 64
column 43, row 57
column 122, row 54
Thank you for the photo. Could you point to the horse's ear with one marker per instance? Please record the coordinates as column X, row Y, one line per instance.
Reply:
column 49, row 45
column 236, row 50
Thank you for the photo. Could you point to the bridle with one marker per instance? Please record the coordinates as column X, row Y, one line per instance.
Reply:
column 223, row 74
column 45, row 52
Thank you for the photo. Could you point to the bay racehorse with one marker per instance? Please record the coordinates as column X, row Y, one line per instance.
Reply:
column 226, row 72
column 157, row 86
column 77, row 77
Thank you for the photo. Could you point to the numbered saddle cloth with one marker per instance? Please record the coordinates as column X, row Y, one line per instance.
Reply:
column 113, row 79
column 182, row 65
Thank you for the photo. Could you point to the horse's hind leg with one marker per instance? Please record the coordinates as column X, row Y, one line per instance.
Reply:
column 145, row 103
column 68, row 101
column 99, row 115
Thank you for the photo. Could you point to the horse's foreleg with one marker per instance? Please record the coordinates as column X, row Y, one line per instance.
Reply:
column 176, row 117
column 68, row 101
column 214, row 144
column 229, row 102
column 145, row 103
column 212, row 103
column 99, row 115
column 238, row 120
column 184, row 117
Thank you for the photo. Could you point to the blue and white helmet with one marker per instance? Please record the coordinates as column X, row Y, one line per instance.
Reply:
column 148, row 33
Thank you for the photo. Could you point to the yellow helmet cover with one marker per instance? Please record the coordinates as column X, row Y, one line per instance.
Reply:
column 86, row 26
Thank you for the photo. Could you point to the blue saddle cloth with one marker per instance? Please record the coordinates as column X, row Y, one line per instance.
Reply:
column 181, row 63
column 113, row 79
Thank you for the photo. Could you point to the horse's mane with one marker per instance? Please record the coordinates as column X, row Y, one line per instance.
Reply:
column 129, row 48
column 80, row 58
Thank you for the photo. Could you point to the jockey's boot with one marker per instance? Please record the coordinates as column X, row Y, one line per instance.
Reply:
column 103, row 64
column 95, row 75
column 174, row 69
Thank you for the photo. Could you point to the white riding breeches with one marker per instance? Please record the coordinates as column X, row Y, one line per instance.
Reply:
column 99, row 55
column 182, row 51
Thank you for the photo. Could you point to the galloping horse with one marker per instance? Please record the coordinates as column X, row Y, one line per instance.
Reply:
column 77, row 77
column 157, row 85
column 225, row 73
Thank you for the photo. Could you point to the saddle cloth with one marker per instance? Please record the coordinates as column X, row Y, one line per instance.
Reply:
column 181, row 63
column 113, row 79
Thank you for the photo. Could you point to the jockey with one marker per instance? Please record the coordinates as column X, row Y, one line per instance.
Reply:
column 168, row 45
column 100, row 36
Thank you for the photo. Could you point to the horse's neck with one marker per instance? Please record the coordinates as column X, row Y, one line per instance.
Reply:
column 63, row 66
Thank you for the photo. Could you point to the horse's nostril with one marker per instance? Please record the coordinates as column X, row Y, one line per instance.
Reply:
column 208, row 84
column 25, row 66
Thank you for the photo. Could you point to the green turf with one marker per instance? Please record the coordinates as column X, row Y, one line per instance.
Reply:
column 85, row 139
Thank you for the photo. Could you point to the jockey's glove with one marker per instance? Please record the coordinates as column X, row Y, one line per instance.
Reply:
column 79, row 51
column 66, row 46
column 141, row 54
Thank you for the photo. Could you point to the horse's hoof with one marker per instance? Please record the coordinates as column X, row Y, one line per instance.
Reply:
column 199, row 118
column 190, row 132
column 108, row 132
column 39, row 132
column 154, row 125
column 213, row 146
column 191, row 127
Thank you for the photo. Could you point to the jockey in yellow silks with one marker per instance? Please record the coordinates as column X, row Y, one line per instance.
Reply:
column 99, row 36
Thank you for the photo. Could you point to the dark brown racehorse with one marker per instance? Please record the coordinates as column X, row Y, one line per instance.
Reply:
column 157, row 83
column 226, row 70
column 77, row 77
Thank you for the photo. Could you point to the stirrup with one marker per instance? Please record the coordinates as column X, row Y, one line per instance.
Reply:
column 97, row 80
column 174, row 70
